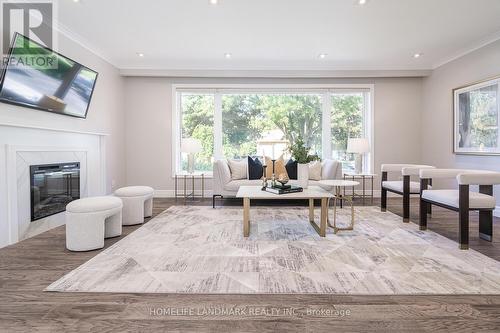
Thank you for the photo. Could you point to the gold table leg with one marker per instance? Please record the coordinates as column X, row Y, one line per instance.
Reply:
column 324, row 217
column 350, row 200
column 321, row 228
column 246, row 217
column 334, row 213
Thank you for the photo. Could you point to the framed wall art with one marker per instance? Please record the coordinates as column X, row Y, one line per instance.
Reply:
column 476, row 110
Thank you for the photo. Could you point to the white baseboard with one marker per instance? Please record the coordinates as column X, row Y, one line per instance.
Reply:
column 496, row 212
column 171, row 194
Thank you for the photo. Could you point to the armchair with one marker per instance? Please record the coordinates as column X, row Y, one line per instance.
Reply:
column 462, row 200
column 404, row 187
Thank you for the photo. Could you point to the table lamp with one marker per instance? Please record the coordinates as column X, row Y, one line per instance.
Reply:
column 358, row 146
column 191, row 147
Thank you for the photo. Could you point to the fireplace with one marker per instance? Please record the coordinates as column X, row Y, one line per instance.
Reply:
column 53, row 186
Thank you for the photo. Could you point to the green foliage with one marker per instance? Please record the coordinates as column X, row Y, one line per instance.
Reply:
column 243, row 122
column 197, row 122
column 347, row 119
column 300, row 153
column 298, row 116
column 246, row 117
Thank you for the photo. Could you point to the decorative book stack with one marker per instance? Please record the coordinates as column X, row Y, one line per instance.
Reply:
column 284, row 189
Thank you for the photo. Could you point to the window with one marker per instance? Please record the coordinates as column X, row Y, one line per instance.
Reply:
column 265, row 124
column 235, row 122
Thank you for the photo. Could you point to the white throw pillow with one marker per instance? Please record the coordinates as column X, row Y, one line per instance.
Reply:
column 315, row 170
column 329, row 169
column 238, row 169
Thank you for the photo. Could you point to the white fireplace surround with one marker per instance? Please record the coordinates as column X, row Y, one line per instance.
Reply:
column 55, row 146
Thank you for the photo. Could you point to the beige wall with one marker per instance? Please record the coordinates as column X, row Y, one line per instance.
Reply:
column 105, row 113
column 437, row 111
column 149, row 112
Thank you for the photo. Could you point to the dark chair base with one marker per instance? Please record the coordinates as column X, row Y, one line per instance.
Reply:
column 213, row 199
column 406, row 196
column 485, row 221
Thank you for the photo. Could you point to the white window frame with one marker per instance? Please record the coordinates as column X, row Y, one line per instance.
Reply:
column 325, row 90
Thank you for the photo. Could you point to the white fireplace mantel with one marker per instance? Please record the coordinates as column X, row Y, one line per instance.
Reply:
column 52, row 129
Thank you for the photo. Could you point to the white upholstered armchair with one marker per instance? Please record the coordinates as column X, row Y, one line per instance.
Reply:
column 462, row 200
column 404, row 187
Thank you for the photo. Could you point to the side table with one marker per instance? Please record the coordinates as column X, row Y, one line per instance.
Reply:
column 337, row 185
column 362, row 177
column 189, row 178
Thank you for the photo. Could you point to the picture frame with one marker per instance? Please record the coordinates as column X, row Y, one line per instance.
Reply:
column 476, row 118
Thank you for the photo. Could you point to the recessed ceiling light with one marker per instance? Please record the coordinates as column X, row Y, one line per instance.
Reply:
column 417, row 55
column 227, row 55
column 140, row 54
column 362, row 2
column 76, row 0
column 213, row 2
column 322, row 55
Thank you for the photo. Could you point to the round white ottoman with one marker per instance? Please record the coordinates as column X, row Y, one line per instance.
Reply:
column 137, row 203
column 90, row 220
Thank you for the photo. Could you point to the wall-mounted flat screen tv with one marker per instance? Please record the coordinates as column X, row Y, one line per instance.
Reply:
column 40, row 78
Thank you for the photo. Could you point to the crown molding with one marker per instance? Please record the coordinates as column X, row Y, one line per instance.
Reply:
column 274, row 73
column 64, row 30
column 473, row 47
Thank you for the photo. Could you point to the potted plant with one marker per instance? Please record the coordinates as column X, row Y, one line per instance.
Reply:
column 300, row 154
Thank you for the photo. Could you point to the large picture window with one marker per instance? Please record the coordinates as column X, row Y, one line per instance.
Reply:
column 240, row 122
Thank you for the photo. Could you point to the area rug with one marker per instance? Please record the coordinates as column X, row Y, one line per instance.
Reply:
column 201, row 250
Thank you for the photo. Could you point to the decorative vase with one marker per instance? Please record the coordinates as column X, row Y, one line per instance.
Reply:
column 303, row 175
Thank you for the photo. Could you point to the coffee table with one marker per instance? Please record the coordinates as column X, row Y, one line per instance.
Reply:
column 337, row 186
column 312, row 192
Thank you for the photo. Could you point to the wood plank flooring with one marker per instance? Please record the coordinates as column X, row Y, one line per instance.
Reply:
column 28, row 267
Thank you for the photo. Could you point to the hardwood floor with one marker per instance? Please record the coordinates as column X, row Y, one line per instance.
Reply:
column 28, row 267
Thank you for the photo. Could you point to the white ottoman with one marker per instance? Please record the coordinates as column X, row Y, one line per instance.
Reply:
column 90, row 220
column 137, row 203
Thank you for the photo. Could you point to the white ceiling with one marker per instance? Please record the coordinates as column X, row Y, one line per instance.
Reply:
column 281, row 34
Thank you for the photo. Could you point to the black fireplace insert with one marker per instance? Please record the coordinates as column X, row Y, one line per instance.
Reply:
column 53, row 186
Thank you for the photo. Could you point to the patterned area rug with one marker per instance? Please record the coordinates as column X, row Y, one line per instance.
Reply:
column 202, row 250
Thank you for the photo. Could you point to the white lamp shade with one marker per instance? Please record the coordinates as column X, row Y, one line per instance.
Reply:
column 358, row 146
column 191, row 146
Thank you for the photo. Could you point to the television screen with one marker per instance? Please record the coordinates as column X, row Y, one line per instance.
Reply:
column 40, row 78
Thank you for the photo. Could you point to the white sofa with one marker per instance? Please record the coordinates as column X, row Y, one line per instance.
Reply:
column 224, row 186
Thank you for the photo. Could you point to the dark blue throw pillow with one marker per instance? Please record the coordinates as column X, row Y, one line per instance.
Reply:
column 291, row 169
column 255, row 169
